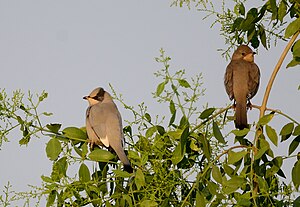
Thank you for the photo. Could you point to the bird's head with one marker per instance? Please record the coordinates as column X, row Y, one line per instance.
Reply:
column 243, row 52
column 98, row 95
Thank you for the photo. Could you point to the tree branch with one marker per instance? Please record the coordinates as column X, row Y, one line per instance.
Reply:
column 275, row 71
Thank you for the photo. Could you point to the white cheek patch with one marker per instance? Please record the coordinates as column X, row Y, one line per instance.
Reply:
column 92, row 101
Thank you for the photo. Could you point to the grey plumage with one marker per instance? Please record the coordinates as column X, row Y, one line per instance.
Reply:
column 104, row 124
column 241, row 82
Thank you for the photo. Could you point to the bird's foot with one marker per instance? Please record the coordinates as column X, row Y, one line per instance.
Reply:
column 249, row 105
column 233, row 106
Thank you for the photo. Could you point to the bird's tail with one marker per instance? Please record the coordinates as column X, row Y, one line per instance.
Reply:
column 122, row 156
column 241, row 115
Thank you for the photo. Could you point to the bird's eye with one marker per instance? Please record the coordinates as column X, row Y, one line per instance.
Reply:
column 243, row 53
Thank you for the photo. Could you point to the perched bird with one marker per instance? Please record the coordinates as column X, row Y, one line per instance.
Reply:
column 241, row 82
column 104, row 124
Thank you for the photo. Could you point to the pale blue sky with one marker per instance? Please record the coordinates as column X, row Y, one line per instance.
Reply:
column 69, row 47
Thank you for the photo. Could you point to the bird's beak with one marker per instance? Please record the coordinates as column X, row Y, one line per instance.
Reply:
column 85, row 97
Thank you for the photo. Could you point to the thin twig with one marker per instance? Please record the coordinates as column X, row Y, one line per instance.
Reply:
column 275, row 71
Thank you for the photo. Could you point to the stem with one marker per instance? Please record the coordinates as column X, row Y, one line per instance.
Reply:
column 263, row 107
column 210, row 118
column 208, row 167
column 275, row 71
column 278, row 112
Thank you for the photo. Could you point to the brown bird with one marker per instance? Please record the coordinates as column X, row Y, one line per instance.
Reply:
column 241, row 82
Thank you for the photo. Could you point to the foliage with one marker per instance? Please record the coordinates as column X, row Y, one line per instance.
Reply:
column 184, row 158
column 258, row 25
column 179, row 164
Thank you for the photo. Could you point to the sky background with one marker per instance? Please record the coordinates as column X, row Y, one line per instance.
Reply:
column 68, row 48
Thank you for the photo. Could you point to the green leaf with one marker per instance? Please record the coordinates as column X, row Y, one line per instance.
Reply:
column 205, row 146
column 200, row 200
column 75, row 133
column 296, row 202
column 181, row 147
column 47, row 179
column 292, row 28
column 242, row 9
column 84, row 173
column 212, row 187
column 240, row 133
column 148, row 203
column 53, row 149
column 184, row 136
column 177, row 154
column 122, row 173
column 217, row 133
column 293, row 63
column 234, row 157
column 59, row 169
column 262, row 36
column 172, row 107
column 128, row 199
column 216, row 174
column 24, row 140
column 183, row 122
column 206, row 113
column 230, row 186
column 237, row 23
column 194, row 145
column 265, row 119
column 184, row 83
column 160, row 130
column 148, row 117
column 160, row 88
column 172, row 119
column 139, row 179
column 84, row 148
column 272, row 135
column 20, row 120
column 43, row 96
column 249, row 20
column 286, row 131
column 281, row 10
column 273, row 8
column 263, row 185
column 263, row 147
column 296, row 130
column 296, row 173
column 101, row 155
column 51, row 198
column 78, row 151
column 228, row 170
column 296, row 46
column 294, row 144
column 54, row 127
column 150, row 131
column 47, row 114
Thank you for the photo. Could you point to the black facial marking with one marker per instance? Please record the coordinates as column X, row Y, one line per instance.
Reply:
column 100, row 95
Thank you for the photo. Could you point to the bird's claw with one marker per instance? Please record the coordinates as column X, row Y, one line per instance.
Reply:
column 233, row 106
column 249, row 105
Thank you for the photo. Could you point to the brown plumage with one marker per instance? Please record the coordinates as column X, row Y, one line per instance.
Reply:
column 241, row 82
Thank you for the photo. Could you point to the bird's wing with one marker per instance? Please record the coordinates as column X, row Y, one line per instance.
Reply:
column 228, row 80
column 114, row 126
column 254, row 78
column 96, row 123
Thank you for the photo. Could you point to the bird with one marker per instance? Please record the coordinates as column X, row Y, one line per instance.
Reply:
column 241, row 82
column 104, row 124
